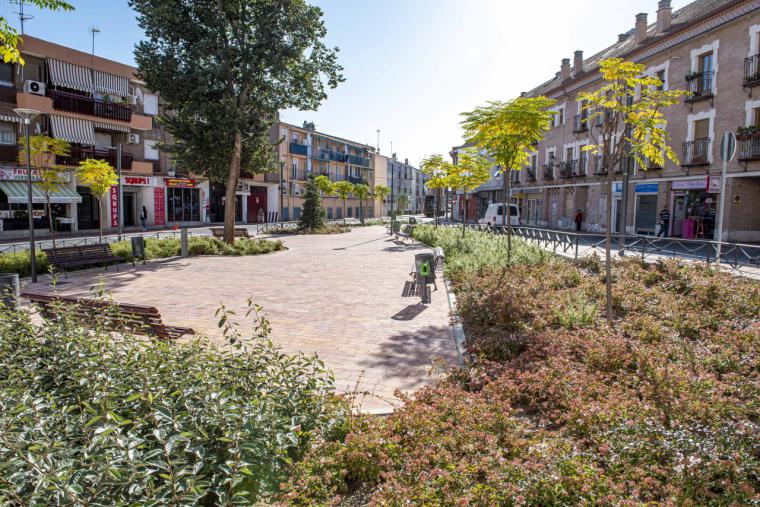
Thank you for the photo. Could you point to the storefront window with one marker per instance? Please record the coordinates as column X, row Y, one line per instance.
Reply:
column 183, row 205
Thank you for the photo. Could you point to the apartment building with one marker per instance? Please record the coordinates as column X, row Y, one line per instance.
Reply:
column 94, row 104
column 407, row 184
column 712, row 49
column 303, row 151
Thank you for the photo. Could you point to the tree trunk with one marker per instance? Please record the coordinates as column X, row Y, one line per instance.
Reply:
column 508, row 214
column 232, row 181
column 464, row 214
column 100, row 219
column 50, row 221
column 608, row 248
column 344, row 212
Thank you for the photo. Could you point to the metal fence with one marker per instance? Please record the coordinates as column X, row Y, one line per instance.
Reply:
column 579, row 244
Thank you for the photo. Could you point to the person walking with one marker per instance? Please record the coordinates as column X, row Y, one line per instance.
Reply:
column 578, row 220
column 664, row 222
column 144, row 218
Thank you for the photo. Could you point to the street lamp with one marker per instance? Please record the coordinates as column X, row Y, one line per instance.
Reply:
column 27, row 115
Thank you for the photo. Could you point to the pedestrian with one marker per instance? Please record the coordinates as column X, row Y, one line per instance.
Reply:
column 144, row 218
column 261, row 215
column 664, row 222
column 578, row 220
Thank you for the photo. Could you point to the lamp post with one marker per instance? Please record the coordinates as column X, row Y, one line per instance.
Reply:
column 282, row 181
column 27, row 115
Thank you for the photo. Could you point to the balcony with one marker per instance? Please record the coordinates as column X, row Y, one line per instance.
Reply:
column 748, row 147
column 88, row 106
column 700, row 86
column 531, row 173
column 298, row 149
column 78, row 154
column 580, row 123
column 549, row 171
column 751, row 71
column 357, row 160
column 568, row 169
column 600, row 165
column 696, row 153
column 357, row 180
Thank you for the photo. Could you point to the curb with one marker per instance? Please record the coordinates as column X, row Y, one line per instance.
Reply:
column 457, row 327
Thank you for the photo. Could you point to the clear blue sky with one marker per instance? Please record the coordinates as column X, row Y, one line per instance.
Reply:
column 411, row 66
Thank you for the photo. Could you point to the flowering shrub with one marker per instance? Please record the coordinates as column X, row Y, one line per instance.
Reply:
column 559, row 409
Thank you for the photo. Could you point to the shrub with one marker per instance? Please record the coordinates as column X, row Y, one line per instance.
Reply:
column 87, row 418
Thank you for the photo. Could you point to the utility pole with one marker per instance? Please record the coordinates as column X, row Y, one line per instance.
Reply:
column 624, row 204
column 94, row 30
column 378, row 140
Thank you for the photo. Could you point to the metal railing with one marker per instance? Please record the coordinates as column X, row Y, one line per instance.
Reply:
column 549, row 171
column 696, row 152
column 78, row 154
column 62, row 241
column 751, row 70
column 749, row 147
column 580, row 123
column 699, row 85
column 531, row 173
column 568, row 169
column 73, row 103
column 298, row 149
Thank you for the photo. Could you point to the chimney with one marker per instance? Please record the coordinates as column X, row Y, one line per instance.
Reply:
column 406, row 161
column 641, row 27
column 564, row 71
column 664, row 15
column 578, row 63
column 622, row 37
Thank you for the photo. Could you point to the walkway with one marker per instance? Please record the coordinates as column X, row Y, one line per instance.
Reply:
column 338, row 296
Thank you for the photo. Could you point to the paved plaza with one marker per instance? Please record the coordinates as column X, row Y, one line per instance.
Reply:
column 338, row 296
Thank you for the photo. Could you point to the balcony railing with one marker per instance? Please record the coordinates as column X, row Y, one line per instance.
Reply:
column 695, row 153
column 752, row 70
column 357, row 180
column 580, row 123
column 600, row 165
column 749, row 147
column 78, row 154
column 549, row 171
column 582, row 162
column 699, row 85
column 88, row 106
column 357, row 160
column 531, row 173
column 298, row 149
column 568, row 169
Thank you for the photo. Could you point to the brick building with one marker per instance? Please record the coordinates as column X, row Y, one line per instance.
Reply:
column 712, row 49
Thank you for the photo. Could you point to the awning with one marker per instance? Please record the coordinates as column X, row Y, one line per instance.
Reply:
column 72, row 130
column 70, row 75
column 111, row 126
column 10, row 117
column 16, row 192
column 111, row 84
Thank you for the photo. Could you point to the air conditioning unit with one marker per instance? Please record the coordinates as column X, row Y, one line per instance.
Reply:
column 133, row 138
column 132, row 99
column 34, row 87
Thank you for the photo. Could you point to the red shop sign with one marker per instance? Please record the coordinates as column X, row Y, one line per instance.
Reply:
column 158, row 206
column 180, row 182
column 114, row 206
column 136, row 180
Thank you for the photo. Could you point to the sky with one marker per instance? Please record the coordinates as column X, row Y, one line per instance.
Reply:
column 411, row 66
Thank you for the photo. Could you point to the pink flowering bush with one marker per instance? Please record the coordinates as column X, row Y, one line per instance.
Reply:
column 556, row 408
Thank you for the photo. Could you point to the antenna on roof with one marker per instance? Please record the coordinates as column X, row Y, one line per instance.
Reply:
column 94, row 30
column 21, row 15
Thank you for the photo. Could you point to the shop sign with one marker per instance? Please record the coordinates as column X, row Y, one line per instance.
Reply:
column 114, row 206
column 180, row 182
column 19, row 174
column 137, row 181
column 714, row 187
column 647, row 188
column 158, row 206
column 697, row 184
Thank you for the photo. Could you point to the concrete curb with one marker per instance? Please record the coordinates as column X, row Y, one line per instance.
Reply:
column 456, row 326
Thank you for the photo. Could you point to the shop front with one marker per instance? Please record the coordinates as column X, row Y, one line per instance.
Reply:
column 14, row 202
column 694, row 204
column 218, row 198
column 646, row 213
column 139, row 192
column 184, row 200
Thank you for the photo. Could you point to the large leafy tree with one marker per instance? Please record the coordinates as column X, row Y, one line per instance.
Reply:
column 508, row 132
column 9, row 37
column 224, row 70
column 626, row 122
column 470, row 171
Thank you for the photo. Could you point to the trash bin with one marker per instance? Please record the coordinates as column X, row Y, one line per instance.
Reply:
column 9, row 289
column 423, row 266
column 395, row 226
column 138, row 249
column 412, row 220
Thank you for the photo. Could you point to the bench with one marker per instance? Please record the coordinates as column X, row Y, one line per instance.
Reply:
column 139, row 319
column 438, row 256
column 83, row 255
column 240, row 232
column 405, row 232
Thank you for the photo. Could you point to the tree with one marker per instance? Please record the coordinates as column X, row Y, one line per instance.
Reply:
column 471, row 170
column 9, row 37
column 381, row 193
column 313, row 216
column 626, row 122
column 401, row 203
column 342, row 190
column 509, row 132
column 437, row 170
column 325, row 186
column 42, row 153
column 361, row 192
column 100, row 177
column 225, row 70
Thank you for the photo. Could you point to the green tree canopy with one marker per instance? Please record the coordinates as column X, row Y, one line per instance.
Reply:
column 313, row 215
column 342, row 189
column 225, row 70
column 9, row 37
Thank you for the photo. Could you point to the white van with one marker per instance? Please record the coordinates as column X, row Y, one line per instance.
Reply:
column 494, row 216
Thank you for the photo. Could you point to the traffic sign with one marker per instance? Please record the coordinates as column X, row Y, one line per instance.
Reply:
column 728, row 146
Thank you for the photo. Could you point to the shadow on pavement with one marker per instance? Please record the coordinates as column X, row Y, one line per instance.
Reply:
column 410, row 312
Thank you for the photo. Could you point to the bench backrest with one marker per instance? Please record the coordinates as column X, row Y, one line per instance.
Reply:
column 78, row 253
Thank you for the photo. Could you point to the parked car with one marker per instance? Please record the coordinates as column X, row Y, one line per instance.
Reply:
column 494, row 215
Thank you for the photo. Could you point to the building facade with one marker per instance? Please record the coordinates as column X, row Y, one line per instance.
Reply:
column 407, row 184
column 710, row 48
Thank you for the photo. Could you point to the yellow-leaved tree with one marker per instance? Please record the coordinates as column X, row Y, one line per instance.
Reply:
column 436, row 168
column 626, row 122
column 100, row 177
column 342, row 189
column 381, row 192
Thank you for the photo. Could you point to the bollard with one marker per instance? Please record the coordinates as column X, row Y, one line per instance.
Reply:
column 9, row 290
column 183, row 243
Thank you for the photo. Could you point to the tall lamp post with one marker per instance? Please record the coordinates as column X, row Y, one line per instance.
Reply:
column 281, row 188
column 27, row 115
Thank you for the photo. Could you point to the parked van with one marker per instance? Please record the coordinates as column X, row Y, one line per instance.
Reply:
column 494, row 212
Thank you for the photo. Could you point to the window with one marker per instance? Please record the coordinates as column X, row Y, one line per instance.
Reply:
column 150, row 104
column 706, row 62
column 662, row 77
column 349, row 212
column 151, row 151
column 756, row 117
column 329, row 213
column 561, row 116
column 6, row 74
column 702, row 129
column 294, row 169
column 8, row 134
column 296, row 213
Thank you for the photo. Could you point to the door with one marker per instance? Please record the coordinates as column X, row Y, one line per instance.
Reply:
column 616, row 214
column 128, row 210
column 679, row 213
column 257, row 202
column 646, row 214
column 87, row 210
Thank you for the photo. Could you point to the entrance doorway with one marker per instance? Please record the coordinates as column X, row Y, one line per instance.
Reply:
column 87, row 210
column 128, row 203
column 257, row 201
column 617, row 212
column 646, row 214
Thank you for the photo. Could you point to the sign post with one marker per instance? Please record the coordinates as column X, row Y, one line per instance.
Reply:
column 727, row 152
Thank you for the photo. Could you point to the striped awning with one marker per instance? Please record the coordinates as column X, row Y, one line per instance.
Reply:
column 70, row 75
column 111, row 126
column 10, row 117
column 111, row 84
column 72, row 130
column 16, row 193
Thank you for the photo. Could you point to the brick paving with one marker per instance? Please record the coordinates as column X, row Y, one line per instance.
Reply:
column 338, row 296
